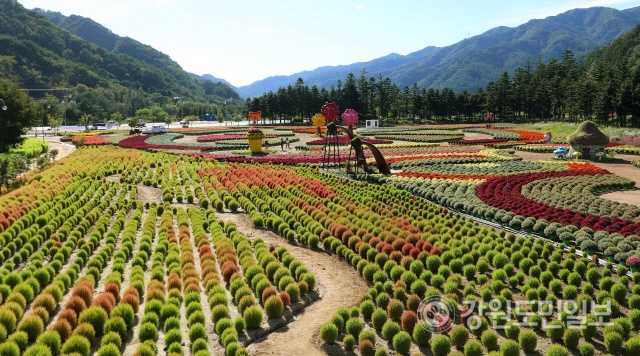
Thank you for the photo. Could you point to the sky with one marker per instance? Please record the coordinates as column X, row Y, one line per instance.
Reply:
column 246, row 40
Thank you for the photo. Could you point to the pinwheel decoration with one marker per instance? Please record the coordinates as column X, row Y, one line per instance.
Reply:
column 318, row 120
column 330, row 111
column 350, row 118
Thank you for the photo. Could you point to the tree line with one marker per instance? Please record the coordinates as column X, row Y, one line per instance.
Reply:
column 602, row 87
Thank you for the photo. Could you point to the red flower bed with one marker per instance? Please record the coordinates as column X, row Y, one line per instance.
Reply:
column 433, row 156
column 138, row 142
column 478, row 141
column 275, row 159
column 90, row 140
column 526, row 135
column 506, row 193
column 344, row 140
column 440, row 175
column 235, row 176
column 221, row 137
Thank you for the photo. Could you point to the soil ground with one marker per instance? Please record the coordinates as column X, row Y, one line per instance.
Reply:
column 338, row 283
column 64, row 149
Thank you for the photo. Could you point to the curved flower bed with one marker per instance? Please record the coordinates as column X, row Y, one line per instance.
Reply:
column 581, row 194
column 90, row 140
column 417, row 137
column 289, row 159
column 221, row 137
column 139, row 142
column 344, row 140
column 506, row 193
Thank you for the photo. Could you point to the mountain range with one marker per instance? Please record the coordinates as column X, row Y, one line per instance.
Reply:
column 42, row 49
column 474, row 62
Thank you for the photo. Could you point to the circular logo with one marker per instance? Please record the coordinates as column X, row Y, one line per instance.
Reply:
column 439, row 312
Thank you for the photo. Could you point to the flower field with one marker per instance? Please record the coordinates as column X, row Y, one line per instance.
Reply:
column 136, row 253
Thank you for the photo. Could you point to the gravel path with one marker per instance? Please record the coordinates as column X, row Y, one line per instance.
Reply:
column 339, row 284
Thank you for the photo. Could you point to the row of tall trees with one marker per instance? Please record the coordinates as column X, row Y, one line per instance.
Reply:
column 372, row 97
column 604, row 90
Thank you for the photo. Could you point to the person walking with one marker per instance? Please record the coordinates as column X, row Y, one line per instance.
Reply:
column 286, row 141
column 281, row 144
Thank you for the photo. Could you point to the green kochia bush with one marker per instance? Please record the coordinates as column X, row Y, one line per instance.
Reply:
column 440, row 345
column 329, row 333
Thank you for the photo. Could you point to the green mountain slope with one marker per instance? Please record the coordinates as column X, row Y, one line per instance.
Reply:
column 37, row 53
column 472, row 63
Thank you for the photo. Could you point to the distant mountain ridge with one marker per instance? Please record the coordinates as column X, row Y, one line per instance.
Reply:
column 472, row 63
column 122, row 58
column 212, row 78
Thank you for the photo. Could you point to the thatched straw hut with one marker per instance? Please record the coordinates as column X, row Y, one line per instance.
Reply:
column 588, row 140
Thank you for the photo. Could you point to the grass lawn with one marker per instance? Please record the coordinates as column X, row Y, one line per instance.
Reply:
column 560, row 130
column 32, row 147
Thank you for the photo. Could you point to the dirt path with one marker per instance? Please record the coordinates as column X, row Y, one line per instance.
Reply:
column 64, row 149
column 148, row 194
column 339, row 285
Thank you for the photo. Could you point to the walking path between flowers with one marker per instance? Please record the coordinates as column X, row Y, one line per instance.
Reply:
column 64, row 149
column 339, row 286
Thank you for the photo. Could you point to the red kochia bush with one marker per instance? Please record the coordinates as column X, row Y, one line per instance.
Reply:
column 408, row 320
column 76, row 304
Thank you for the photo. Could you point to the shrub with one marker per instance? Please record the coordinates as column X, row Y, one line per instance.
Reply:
column 148, row 331
column 32, row 325
column 402, row 342
column 37, row 350
column 239, row 324
column 510, row 348
column 8, row 319
column 20, row 338
column 252, row 317
column 197, row 331
column 512, row 330
column 354, row 326
column 421, row 333
column 473, row 348
column 613, row 342
column 51, row 339
column 77, row 343
column 556, row 350
column 459, row 336
column 489, row 340
column 349, row 342
column 367, row 348
column 378, row 318
column 116, row 324
column 408, row 320
column 390, row 329
column 329, row 333
column 111, row 338
column 440, row 345
column 555, row 330
column 571, row 338
column 367, row 308
column 527, row 340
column 109, row 350
column 95, row 316
column 632, row 346
column 395, row 309
column 274, row 307
column 9, row 349
column 173, row 336
column 586, row 349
